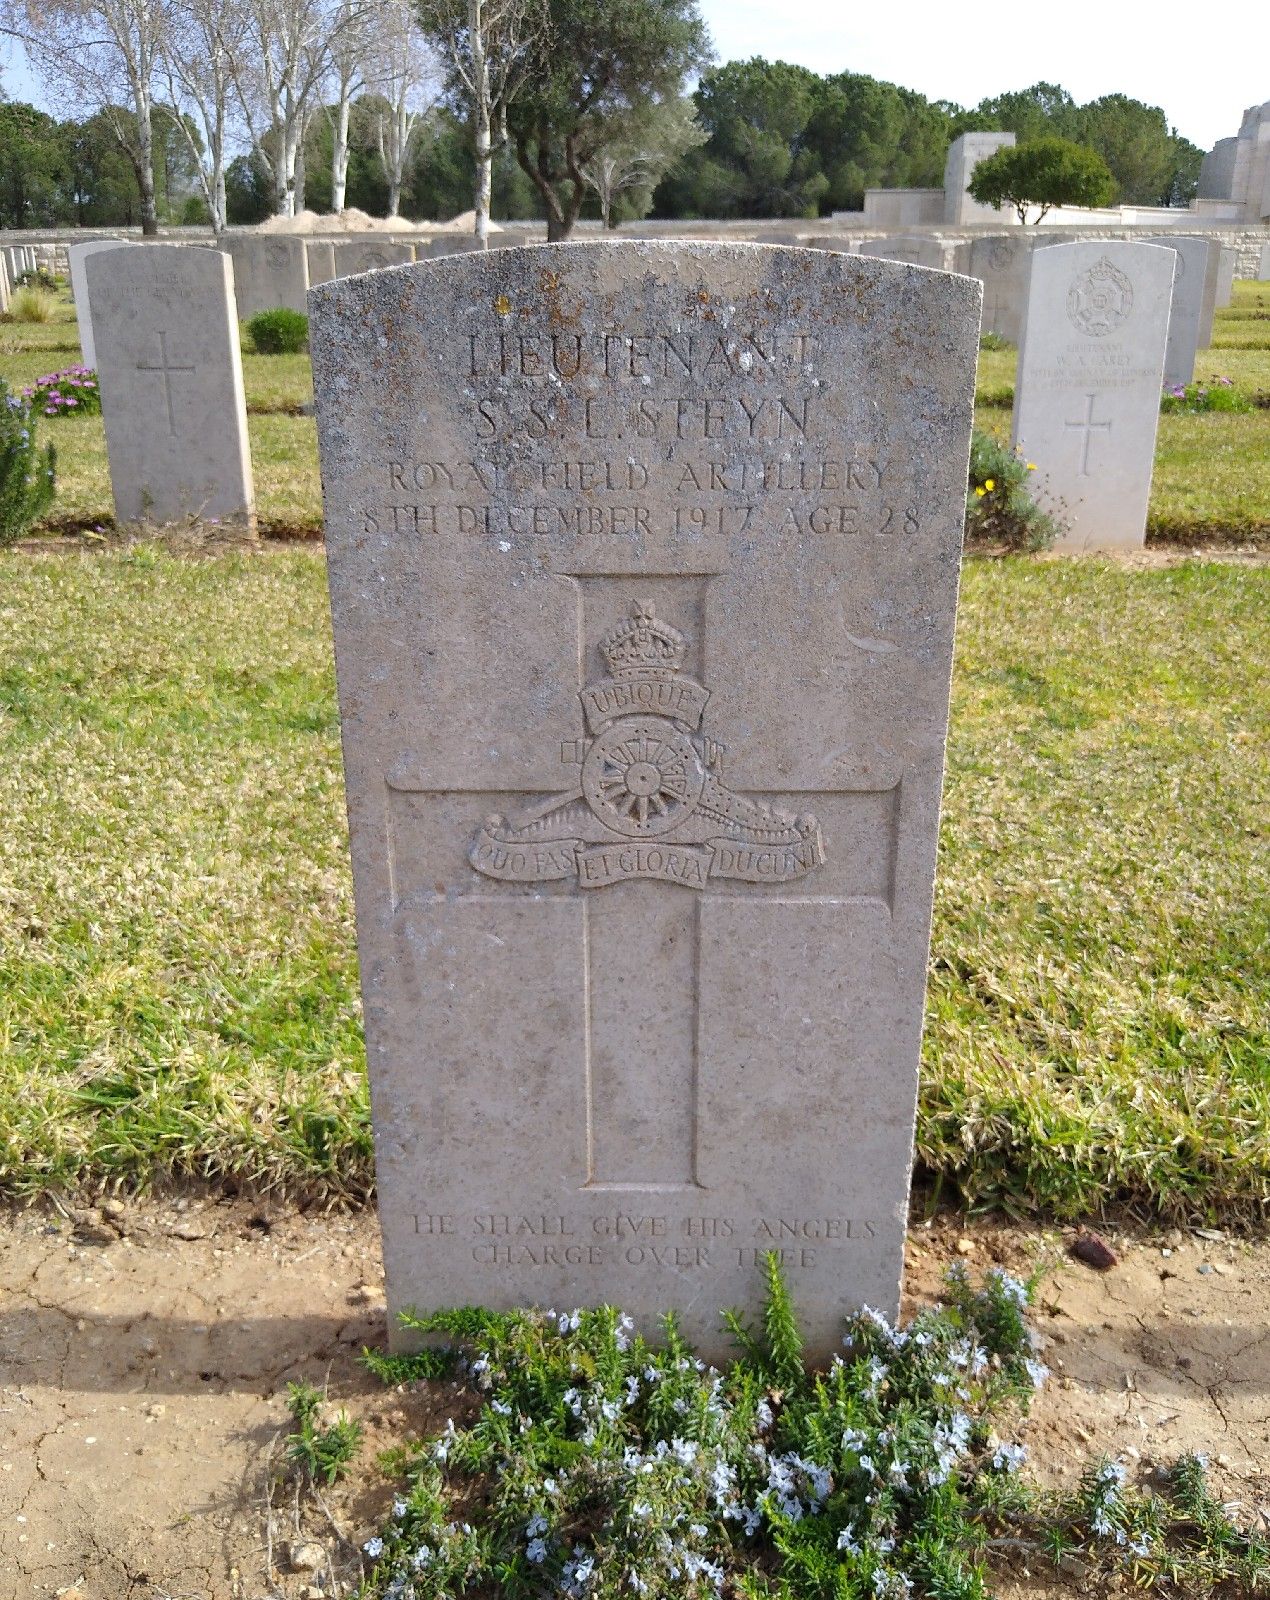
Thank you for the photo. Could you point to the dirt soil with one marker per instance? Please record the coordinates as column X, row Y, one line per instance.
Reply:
column 145, row 1349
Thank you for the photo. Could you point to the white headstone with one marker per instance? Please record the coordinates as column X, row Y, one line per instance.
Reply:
column 1087, row 396
column 370, row 255
column 1227, row 261
column 77, row 255
column 1263, row 264
column 269, row 271
column 171, row 383
column 1194, row 281
column 643, row 563
column 919, row 250
column 321, row 260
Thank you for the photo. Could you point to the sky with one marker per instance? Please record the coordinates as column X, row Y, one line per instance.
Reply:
column 1190, row 63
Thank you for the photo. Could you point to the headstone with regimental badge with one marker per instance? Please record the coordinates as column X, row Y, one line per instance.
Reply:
column 1087, row 396
column 171, row 384
column 643, row 563
column 270, row 271
column 370, row 255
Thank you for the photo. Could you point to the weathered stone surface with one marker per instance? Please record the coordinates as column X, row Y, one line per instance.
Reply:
column 76, row 255
column 370, row 255
column 643, row 563
column 1194, row 287
column 1087, row 397
column 1263, row 265
column 269, row 271
column 171, row 383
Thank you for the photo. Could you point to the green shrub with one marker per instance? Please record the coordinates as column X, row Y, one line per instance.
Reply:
column 318, row 1451
column 37, row 278
column 31, row 304
column 1000, row 508
column 1215, row 394
column 280, row 332
column 994, row 341
column 26, row 471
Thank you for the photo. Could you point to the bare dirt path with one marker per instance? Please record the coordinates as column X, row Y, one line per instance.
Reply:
column 144, row 1358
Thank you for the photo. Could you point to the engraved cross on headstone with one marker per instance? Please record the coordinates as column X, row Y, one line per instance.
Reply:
column 646, row 831
column 166, row 368
column 1088, row 428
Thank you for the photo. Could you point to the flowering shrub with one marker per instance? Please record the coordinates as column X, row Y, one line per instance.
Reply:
column 601, row 1468
column 1216, row 394
column 1001, row 505
column 26, row 471
column 612, row 1468
column 37, row 278
column 73, row 392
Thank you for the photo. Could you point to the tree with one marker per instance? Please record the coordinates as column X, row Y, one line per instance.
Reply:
column 653, row 137
column 287, row 52
column 1137, row 144
column 34, row 167
column 1045, row 173
column 405, row 79
column 1043, row 110
column 349, row 51
column 490, row 47
column 101, row 54
column 605, row 58
column 200, row 46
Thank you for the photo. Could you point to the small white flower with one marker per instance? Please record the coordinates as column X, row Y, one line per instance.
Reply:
column 537, row 1524
column 1009, row 1457
column 501, row 1406
column 374, row 1547
column 847, row 1542
column 399, row 1509
column 1038, row 1372
column 536, row 1550
column 421, row 1557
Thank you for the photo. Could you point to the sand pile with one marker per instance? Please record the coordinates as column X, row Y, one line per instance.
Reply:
column 354, row 221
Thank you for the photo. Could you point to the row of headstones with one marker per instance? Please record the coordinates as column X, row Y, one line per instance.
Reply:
column 271, row 272
column 1203, row 282
column 1093, row 348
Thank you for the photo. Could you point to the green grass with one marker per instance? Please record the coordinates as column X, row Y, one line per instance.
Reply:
column 1211, row 483
column 177, row 969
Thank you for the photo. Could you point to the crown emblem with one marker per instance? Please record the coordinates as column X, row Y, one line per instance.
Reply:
column 643, row 647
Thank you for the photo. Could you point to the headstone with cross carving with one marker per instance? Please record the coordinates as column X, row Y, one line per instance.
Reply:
column 171, row 384
column 643, row 563
column 1087, row 397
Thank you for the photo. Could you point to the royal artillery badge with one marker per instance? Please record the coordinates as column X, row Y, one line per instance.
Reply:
column 649, row 801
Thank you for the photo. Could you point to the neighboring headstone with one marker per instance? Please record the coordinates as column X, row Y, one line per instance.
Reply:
column 1087, row 396
column 1194, row 282
column 6, row 287
column 1000, row 262
column 269, row 271
column 171, row 383
column 321, row 260
column 643, row 563
column 1263, row 264
column 1227, row 261
column 78, row 254
column 370, row 255
column 919, row 250
column 964, row 155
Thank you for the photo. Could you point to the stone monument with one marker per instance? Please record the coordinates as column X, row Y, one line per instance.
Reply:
column 1087, row 397
column 171, row 383
column 643, row 563
column 370, row 255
